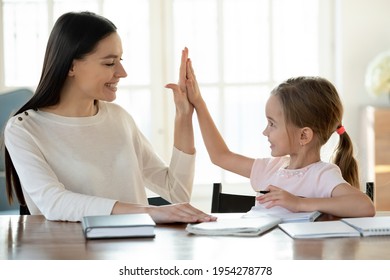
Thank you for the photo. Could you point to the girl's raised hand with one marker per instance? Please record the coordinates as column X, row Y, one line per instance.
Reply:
column 193, row 90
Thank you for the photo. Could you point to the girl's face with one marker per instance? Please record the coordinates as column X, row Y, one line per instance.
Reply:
column 96, row 76
column 281, row 140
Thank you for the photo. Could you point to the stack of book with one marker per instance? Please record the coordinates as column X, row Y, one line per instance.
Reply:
column 285, row 215
column 236, row 225
column 255, row 222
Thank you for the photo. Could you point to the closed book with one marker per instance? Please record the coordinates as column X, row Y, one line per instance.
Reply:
column 226, row 224
column 118, row 226
column 370, row 226
column 324, row 229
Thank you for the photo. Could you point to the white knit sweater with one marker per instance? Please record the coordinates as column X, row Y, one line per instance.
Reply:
column 73, row 167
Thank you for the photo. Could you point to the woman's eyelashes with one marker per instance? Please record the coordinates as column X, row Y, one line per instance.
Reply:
column 112, row 63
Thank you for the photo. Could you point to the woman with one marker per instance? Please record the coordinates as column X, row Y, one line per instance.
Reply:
column 71, row 153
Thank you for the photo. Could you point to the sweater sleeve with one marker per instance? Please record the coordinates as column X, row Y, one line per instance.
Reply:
column 43, row 191
column 174, row 182
column 182, row 171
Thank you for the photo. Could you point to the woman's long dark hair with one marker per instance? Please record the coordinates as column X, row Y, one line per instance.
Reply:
column 73, row 36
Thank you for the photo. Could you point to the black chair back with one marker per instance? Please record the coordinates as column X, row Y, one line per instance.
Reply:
column 230, row 203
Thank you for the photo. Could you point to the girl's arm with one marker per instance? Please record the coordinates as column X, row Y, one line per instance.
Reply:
column 346, row 201
column 216, row 147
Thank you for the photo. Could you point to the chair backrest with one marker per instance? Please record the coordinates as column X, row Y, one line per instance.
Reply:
column 230, row 203
column 10, row 102
column 370, row 191
column 4, row 204
column 158, row 201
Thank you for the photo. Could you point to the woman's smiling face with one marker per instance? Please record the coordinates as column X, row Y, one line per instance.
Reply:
column 96, row 76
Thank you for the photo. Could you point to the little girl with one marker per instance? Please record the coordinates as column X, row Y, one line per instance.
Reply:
column 302, row 114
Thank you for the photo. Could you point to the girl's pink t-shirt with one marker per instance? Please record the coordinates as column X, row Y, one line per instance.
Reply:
column 315, row 180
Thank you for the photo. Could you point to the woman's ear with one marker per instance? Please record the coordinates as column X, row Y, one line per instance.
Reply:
column 71, row 70
column 306, row 136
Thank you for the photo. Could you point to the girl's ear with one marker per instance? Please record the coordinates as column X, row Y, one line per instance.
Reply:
column 306, row 136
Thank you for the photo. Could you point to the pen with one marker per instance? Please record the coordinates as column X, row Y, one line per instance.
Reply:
column 263, row 192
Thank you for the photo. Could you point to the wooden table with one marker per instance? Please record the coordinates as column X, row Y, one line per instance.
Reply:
column 33, row 237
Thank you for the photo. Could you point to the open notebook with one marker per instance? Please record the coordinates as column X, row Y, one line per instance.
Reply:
column 234, row 224
column 319, row 230
column 285, row 215
column 370, row 226
column 347, row 227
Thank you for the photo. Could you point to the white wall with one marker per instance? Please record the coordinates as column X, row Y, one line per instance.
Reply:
column 363, row 31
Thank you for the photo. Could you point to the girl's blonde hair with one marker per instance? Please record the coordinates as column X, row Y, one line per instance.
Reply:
column 314, row 102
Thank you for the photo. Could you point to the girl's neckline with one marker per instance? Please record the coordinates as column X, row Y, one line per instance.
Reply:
column 287, row 164
column 288, row 173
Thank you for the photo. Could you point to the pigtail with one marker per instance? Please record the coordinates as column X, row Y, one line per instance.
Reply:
column 344, row 158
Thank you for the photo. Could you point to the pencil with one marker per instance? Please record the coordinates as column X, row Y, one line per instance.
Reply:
column 263, row 192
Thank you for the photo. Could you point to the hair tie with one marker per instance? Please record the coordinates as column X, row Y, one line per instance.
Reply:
column 340, row 130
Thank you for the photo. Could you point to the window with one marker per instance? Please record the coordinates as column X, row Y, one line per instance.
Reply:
column 240, row 51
